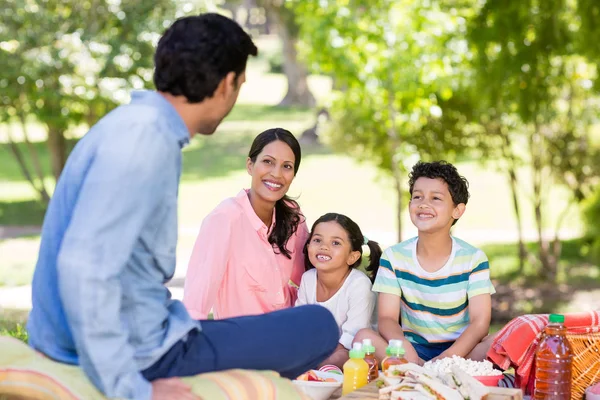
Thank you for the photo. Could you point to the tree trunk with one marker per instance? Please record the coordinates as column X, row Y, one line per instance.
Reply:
column 298, row 92
column 398, row 186
column 24, row 169
column 536, row 150
column 512, row 175
column 37, row 166
column 57, row 145
column 395, row 167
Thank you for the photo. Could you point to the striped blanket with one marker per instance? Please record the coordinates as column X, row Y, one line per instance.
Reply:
column 515, row 345
column 29, row 375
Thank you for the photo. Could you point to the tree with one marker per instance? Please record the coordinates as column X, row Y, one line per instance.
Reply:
column 399, row 68
column 65, row 63
column 284, row 18
column 527, row 71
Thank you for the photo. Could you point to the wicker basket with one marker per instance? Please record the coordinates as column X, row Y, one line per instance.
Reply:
column 586, row 362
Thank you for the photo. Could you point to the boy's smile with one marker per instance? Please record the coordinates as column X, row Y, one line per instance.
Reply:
column 431, row 205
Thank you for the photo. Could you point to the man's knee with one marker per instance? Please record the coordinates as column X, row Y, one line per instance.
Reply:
column 323, row 320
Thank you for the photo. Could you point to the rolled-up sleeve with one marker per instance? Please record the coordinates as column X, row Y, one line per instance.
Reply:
column 117, row 197
column 207, row 265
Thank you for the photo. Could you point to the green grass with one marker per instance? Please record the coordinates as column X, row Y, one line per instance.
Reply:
column 12, row 323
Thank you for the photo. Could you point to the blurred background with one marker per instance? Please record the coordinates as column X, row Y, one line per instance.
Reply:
column 508, row 90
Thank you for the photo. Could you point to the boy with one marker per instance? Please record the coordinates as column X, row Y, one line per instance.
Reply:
column 110, row 233
column 438, row 286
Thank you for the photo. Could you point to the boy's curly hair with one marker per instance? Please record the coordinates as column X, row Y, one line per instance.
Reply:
column 458, row 186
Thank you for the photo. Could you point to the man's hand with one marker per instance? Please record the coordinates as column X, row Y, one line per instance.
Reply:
column 172, row 388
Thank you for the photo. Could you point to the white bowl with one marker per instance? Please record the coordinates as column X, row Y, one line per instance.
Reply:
column 320, row 390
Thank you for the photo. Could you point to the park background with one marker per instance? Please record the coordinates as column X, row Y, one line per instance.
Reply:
column 507, row 90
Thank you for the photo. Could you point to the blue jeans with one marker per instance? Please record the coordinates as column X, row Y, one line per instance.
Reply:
column 431, row 350
column 290, row 341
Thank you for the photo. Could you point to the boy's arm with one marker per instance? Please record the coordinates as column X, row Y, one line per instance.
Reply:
column 388, row 320
column 480, row 315
column 121, row 190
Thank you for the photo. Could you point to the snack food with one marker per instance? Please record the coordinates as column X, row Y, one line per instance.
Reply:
column 312, row 377
column 471, row 367
column 410, row 381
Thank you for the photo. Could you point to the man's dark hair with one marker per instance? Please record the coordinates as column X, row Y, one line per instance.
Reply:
column 197, row 52
column 458, row 186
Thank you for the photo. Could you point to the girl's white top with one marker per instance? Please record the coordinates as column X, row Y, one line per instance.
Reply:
column 352, row 305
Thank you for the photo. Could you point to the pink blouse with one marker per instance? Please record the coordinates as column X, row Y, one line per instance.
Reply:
column 235, row 271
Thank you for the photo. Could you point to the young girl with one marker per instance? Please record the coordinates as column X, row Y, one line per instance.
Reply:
column 332, row 254
column 250, row 247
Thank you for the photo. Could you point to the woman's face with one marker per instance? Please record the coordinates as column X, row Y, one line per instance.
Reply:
column 273, row 171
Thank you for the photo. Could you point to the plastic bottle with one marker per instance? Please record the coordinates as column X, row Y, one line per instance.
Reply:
column 395, row 355
column 554, row 362
column 356, row 370
column 371, row 360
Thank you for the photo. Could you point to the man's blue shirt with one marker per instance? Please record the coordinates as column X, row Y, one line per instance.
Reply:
column 108, row 247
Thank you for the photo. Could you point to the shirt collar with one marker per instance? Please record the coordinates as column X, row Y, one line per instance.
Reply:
column 244, row 201
column 174, row 120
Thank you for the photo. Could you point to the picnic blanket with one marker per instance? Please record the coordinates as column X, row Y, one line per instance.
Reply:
column 26, row 374
column 515, row 345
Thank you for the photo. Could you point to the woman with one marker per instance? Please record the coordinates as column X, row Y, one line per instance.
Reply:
column 250, row 247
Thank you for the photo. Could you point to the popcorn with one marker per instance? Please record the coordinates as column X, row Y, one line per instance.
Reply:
column 473, row 368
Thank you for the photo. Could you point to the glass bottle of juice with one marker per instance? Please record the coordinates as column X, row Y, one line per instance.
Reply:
column 395, row 355
column 554, row 361
column 356, row 370
column 371, row 360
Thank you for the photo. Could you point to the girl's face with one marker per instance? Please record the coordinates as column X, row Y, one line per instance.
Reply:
column 273, row 172
column 330, row 249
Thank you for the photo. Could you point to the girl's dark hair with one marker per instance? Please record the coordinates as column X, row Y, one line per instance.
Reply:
column 287, row 210
column 357, row 240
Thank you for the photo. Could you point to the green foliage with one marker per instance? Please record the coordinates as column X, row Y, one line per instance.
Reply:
column 18, row 332
column 592, row 216
column 67, row 62
column 396, row 68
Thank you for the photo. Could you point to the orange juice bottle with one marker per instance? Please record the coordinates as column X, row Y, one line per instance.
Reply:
column 356, row 370
column 554, row 362
column 395, row 355
column 371, row 360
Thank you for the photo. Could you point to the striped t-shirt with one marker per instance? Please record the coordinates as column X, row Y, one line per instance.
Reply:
column 434, row 305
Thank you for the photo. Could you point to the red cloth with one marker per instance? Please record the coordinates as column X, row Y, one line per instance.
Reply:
column 515, row 345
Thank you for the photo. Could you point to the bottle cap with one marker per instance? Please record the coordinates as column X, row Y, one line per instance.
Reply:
column 368, row 346
column 395, row 348
column 557, row 319
column 357, row 351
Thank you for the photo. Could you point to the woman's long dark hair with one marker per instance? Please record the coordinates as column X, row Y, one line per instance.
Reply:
column 357, row 240
column 287, row 211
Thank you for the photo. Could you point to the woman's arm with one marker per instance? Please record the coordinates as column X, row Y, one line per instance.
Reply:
column 207, row 265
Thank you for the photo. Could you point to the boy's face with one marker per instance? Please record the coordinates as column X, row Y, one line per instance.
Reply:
column 431, row 206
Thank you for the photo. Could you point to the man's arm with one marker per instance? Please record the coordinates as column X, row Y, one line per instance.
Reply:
column 122, row 188
column 480, row 315
column 388, row 318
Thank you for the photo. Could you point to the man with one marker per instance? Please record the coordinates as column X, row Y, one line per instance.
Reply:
column 109, row 238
